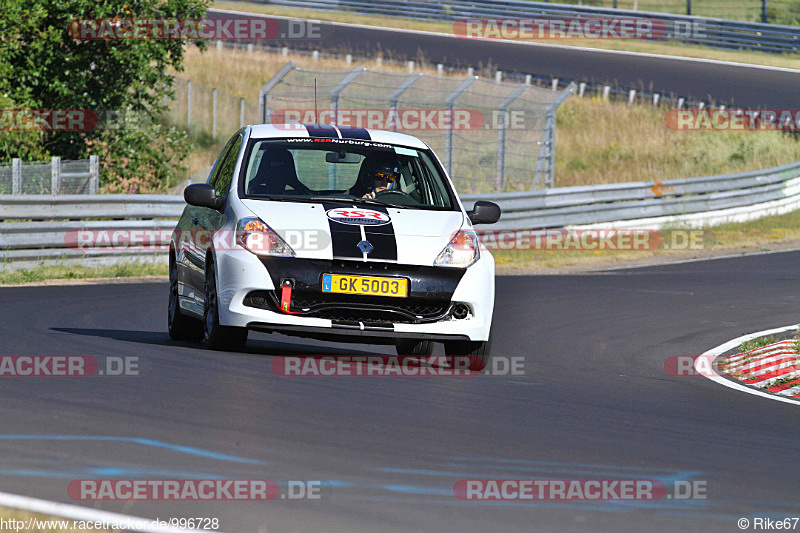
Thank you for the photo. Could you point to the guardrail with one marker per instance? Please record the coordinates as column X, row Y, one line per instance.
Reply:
column 35, row 228
column 706, row 31
column 709, row 200
column 81, row 176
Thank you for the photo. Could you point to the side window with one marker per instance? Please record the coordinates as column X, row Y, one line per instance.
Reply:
column 224, row 173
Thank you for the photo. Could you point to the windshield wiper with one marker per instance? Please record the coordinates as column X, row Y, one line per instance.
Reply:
column 367, row 201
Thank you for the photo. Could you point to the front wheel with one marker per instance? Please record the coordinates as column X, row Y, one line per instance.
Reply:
column 468, row 354
column 216, row 336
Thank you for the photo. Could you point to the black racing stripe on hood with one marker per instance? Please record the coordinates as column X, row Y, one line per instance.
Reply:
column 321, row 130
column 382, row 238
column 344, row 237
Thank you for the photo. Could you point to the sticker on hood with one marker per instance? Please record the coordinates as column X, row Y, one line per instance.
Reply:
column 358, row 217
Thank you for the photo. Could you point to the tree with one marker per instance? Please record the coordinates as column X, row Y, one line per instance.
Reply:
column 43, row 67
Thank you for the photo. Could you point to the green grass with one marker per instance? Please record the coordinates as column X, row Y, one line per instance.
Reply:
column 44, row 272
column 767, row 233
column 752, row 344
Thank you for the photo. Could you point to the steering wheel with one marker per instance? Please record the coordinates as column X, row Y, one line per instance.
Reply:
column 394, row 191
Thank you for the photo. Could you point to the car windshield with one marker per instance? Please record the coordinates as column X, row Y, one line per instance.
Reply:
column 315, row 169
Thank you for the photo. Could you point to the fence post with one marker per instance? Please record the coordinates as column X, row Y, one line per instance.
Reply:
column 241, row 112
column 394, row 99
column 16, row 176
column 448, row 140
column 500, row 180
column 547, row 153
column 189, row 105
column 214, row 114
column 55, row 175
column 94, row 174
column 264, row 111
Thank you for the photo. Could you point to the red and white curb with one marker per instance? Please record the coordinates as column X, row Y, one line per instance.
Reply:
column 771, row 371
column 773, row 367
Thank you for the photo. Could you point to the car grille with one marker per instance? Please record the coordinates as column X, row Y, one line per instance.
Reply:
column 354, row 307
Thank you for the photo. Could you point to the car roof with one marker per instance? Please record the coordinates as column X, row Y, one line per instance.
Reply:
column 283, row 131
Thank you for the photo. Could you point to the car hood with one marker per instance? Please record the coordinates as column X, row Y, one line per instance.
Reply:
column 334, row 231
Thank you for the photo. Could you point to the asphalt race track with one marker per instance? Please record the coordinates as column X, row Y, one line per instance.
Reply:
column 724, row 83
column 595, row 402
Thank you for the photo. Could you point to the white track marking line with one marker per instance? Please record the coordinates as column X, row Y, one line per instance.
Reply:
column 683, row 261
column 76, row 512
column 709, row 356
column 521, row 43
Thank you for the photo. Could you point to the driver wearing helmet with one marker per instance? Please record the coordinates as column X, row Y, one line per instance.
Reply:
column 384, row 178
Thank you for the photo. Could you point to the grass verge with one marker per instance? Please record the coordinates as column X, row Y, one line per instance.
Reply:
column 44, row 272
column 768, row 233
column 752, row 344
column 675, row 49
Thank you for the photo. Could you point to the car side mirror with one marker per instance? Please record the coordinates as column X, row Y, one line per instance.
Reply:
column 203, row 195
column 484, row 212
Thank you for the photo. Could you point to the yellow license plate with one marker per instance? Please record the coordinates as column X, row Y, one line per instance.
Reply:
column 375, row 286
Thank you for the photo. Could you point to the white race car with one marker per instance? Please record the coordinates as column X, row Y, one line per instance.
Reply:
column 342, row 234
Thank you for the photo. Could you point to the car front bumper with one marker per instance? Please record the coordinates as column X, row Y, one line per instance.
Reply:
column 242, row 274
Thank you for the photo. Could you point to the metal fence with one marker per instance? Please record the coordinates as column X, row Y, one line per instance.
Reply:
column 705, row 31
column 492, row 136
column 204, row 110
column 81, row 176
column 149, row 219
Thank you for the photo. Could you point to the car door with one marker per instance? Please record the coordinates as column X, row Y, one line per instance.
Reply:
column 203, row 222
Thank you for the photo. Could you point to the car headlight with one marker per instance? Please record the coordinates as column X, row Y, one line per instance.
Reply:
column 258, row 238
column 462, row 250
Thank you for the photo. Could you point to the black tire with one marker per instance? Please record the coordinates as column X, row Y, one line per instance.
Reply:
column 216, row 336
column 477, row 353
column 180, row 326
column 414, row 347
